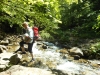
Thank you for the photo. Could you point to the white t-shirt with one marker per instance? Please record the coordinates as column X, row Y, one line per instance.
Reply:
column 29, row 33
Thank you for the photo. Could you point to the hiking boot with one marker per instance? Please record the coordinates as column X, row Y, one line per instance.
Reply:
column 23, row 53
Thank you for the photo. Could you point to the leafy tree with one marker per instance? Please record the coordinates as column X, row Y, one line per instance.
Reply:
column 44, row 14
column 53, row 17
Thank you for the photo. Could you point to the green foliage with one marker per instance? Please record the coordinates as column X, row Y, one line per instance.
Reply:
column 76, row 15
column 37, row 12
column 46, row 36
column 95, row 48
column 95, row 5
column 97, row 24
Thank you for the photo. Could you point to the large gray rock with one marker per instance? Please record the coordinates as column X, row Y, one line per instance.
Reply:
column 4, row 60
column 8, row 58
column 76, row 52
column 21, row 70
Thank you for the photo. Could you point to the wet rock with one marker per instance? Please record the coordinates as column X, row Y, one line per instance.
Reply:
column 3, row 48
column 64, row 51
column 4, row 60
column 44, row 47
column 76, row 57
column 75, row 51
column 15, row 59
column 13, row 48
column 40, row 64
column 4, row 42
column 58, row 72
column 48, row 44
column 83, row 61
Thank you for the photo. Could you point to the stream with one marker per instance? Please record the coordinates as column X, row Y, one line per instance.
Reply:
column 49, row 57
column 66, row 65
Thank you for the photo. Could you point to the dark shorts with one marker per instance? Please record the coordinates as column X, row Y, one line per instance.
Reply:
column 29, row 45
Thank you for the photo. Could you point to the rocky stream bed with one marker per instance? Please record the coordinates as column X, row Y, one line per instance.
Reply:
column 50, row 59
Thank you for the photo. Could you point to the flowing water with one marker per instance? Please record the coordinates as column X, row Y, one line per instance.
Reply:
column 50, row 55
column 54, row 60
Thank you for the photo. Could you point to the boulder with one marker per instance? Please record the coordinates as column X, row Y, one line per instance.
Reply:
column 15, row 59
column 4, row 42
column 4, row 60
column 21, row 70
column 75, row 51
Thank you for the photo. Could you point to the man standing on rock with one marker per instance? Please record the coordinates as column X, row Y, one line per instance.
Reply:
column 28, row 39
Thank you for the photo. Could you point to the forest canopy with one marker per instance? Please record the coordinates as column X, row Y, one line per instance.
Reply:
column 55, row 18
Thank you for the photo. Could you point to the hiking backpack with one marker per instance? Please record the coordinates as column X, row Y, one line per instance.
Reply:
column 36, row 32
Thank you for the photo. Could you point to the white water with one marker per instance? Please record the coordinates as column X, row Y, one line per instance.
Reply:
column 63, row 64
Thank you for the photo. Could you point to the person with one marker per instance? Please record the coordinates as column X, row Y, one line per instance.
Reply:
column 28, row 39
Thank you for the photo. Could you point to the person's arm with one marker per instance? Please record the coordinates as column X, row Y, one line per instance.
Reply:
column 27, row 39
column 30, row 35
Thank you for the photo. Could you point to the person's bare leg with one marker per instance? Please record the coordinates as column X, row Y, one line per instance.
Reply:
column 23, row 49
